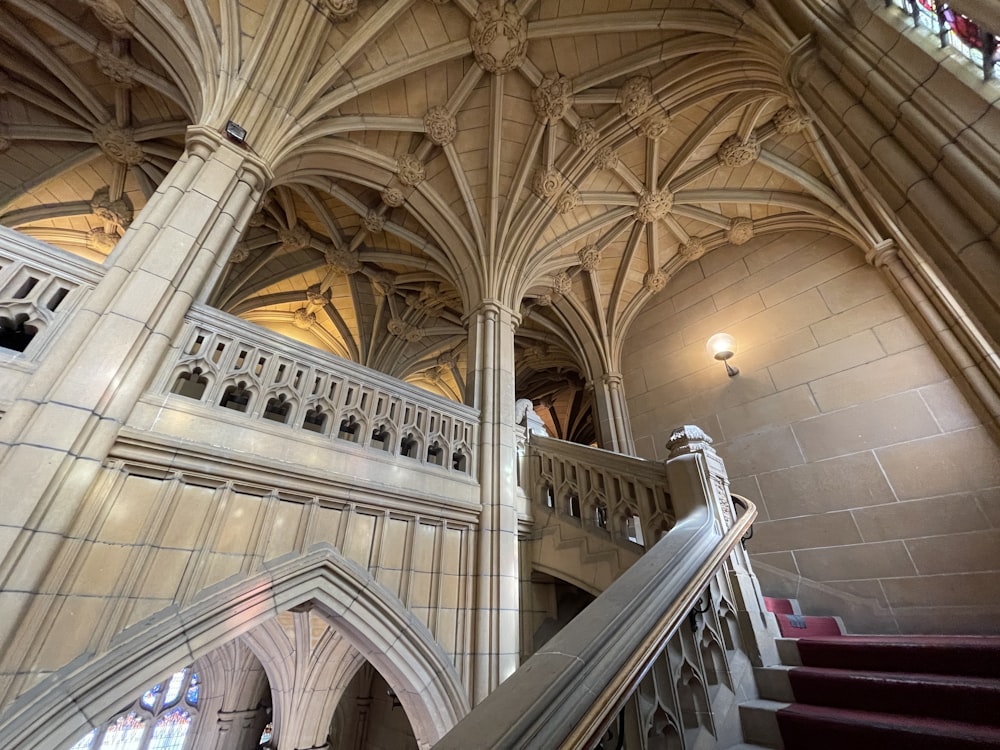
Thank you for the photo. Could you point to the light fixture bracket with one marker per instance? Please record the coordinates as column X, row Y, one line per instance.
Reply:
column 236, row 133
column 722, row 346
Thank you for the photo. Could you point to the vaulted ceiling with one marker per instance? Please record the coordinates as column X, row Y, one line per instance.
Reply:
column 564, row 158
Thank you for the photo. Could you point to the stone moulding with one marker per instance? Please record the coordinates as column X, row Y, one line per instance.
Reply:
column 546, row 182
column 789, row 120
column 654, row 206
column 410, row 170
column 430, row 688
column 635, row 96
column 499, row 37
column 339, row 11
column 741, row 230
column 589, row 257
column 586, row 134
column 118, row 144
column 693, row 249
column 226, row 351
column 737, row 152
column 553, row 97
column 440, row 125
column 607, row 159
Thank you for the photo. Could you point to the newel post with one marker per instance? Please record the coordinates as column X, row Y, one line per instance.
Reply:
column 691, row 452
column 693, row 443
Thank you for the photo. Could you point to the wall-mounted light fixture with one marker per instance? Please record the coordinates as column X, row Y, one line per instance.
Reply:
column 723, row 346
column 236, row 133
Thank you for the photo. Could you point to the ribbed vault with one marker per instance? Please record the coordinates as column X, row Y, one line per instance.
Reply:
column 564, row 158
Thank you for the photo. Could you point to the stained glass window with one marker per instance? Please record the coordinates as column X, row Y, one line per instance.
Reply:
column 148, row 699
column 153, row 722
column 86, row 741
column 266, row 734
column 954, row 30
column 170, row 731
column 174, row 688
column 192, row 692
column 125, row 734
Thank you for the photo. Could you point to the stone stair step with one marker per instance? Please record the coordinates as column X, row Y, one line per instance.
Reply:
column 760, row 722
column 950, row 697
column 804, row 727
column 973, row 656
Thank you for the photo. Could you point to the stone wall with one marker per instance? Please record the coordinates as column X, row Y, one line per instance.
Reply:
column 878, row 485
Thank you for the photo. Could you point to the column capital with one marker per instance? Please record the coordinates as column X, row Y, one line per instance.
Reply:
column 882, row 253
column 203, row 141
column 495, row 309
column 801, row 63
column 612, row 379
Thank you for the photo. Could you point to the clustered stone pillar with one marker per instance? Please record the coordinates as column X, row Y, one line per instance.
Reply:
column 912, row 204
column 491, row 344
column 613, row 413
column 885, row 256
column 55, row 436
column 239, row 729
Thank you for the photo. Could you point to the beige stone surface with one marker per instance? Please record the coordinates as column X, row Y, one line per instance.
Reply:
column 841, row 355
column 883, row 377
column 851, row 289
column 898, row 335
column 774, row 278
column 840, row 483
column 863, row 422
column 959, row 461
column 949, row 407
column 989, row 501
column 820, row 530
column 943, row 590
column 853, row 455
column 762, row 452
column 858, row 561
column 952, row 514
column 782, row 560
column 787, row 406
column 887, row 421
column 973, row 551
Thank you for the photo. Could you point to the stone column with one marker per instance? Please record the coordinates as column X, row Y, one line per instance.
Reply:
column 361, row 724
column 491, row 377
column 55, row 437
column 612, row 413
column 978, row 371
column 236, row 730
column 943, row 220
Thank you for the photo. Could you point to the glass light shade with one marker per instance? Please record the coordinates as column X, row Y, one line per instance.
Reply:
column 721, row 346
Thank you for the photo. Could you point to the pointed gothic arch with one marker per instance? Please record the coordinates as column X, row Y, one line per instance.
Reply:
column 66, row 703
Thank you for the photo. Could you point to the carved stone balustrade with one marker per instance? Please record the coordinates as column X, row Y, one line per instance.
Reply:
column 256, row 384
column 37, row 291
column 625, row 497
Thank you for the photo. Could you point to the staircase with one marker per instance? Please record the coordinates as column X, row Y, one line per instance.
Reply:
column 887, row 692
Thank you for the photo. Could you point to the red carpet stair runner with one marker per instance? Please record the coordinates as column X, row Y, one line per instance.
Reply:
column 885, row 692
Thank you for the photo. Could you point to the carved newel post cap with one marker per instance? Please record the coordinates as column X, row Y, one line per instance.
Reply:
column 688, row 438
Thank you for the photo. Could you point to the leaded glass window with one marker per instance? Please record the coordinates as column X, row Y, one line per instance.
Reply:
column 158, row 720
column 954, row 30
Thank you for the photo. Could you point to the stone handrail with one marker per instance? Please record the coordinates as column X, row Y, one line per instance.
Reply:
column 568, row 692
column 242, row 370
